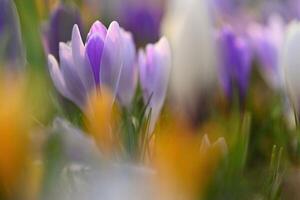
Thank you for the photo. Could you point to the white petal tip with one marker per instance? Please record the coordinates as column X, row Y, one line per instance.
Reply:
column 52, row 62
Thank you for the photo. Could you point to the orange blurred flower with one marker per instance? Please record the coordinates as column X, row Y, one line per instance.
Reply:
column 14, row 130
column 102, row 117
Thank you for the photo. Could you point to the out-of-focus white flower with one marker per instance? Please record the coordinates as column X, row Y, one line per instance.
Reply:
column 78, row 146
column 291, row 63
column 117, row 182
column 86, row 174
column 189, row 30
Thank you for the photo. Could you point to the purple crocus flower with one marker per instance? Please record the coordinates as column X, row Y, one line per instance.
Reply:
column 235, row 63
column 11, row 48
column 142, row 19
column 97, row 63
column 267, row 41
column 155, row 67
column 60, row 27
column 129, row 76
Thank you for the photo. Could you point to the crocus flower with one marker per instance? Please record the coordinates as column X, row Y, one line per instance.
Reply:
column 267, row 49
column 60, row 27
column 143, row 19
column 155, row 67
column 188, row 27
column 97, row 63
column 235, row 63
column 129, row 76
column 11, row 48
column 291, row 64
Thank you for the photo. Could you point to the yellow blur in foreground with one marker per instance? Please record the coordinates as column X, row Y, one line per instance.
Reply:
column 102, row 117
column 14, row 130
column 185, row 162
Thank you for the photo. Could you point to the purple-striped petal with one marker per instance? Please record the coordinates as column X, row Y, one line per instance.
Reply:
column 94, row 51
column 98, row 28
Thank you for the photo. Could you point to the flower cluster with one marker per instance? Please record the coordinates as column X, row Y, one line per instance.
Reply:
column 108, row 59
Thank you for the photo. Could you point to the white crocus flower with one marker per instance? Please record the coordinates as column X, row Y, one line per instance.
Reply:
column 187, row 26
column 290, row 61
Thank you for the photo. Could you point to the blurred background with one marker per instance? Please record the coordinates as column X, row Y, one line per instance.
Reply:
column 223, row 123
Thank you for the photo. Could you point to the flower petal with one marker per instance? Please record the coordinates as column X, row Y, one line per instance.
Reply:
column 154, row 73
column 235, row 65
column 162, row 64
column 142, row 68
column 94, row 51
column 291, row 64
column 128, row 78
column 77, row 145
column 56, row 76
column 112, row 58
column 73, row 83
column 98, row 28
column 82, row 65
column 159, row 61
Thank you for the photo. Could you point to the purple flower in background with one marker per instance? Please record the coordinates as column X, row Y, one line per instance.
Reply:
column 287, row 9
column 141, row 17
column 226, row 7
column 235, row 63
column 60, row 26
column 229, row 8
column 98, row 63
column 11, row 48
column 155, row 68
column 267, row 41
column 143, row 20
